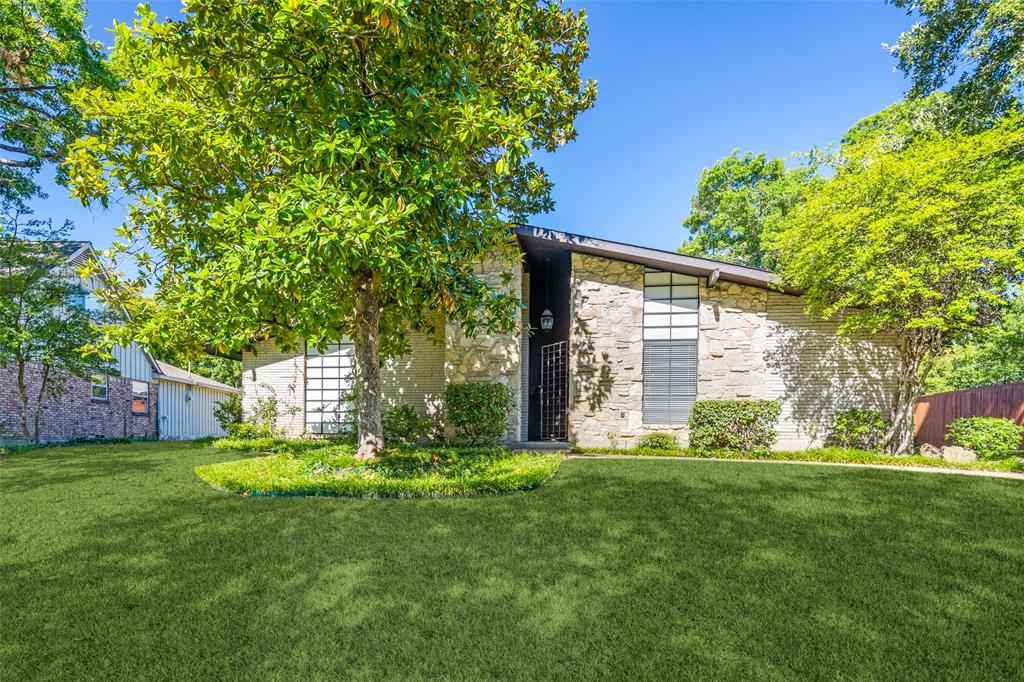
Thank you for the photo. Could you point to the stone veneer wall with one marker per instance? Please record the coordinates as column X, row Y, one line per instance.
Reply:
column 524, row 364
column 605, row 351
column 732, row 341
column 491, row 357
column 753, row 344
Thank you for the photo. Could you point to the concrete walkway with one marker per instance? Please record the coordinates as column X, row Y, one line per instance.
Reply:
column 888, row 467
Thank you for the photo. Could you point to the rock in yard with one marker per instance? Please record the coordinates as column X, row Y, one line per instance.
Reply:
column 929, row 450
column 955, row 453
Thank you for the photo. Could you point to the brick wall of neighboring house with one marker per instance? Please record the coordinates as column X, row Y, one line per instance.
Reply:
column 73, row 414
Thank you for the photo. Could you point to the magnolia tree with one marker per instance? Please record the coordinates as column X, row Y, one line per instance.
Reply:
column 317, row 169
column 920, row 236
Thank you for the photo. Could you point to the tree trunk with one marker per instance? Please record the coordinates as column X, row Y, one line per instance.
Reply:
column 39, row 401
column 899, row 438
column 367, row 348
column 23, row 400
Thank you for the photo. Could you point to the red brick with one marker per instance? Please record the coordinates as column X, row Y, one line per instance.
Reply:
column 74, row 414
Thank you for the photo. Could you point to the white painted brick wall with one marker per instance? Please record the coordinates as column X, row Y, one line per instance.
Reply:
column 816, row 373
column 268, row 371
column 418, row 378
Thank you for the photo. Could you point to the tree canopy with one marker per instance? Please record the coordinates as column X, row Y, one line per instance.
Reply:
column 992, row 354
column 739, row 198
column 977, row 43
column 924, row 241
column 315, row 169
column 44, row 54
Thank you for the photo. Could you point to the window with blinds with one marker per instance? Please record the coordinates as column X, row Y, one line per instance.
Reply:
column 670, row 346
column 329, row 377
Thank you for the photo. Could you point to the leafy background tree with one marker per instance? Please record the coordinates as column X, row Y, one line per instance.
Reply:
column 739, row 198
column 919, row 228
column 322, row 169
column 978, row 44
column 44, row 54
column 224, row 370
column 43, row 318
column 989, row 355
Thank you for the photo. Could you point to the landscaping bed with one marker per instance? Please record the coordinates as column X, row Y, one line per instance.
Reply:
column 295, row 467
column 826, row 455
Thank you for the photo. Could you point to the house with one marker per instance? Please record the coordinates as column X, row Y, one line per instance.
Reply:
column 146, row 398
column 617, row 340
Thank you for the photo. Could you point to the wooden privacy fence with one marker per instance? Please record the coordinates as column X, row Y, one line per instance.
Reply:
column 934, row 412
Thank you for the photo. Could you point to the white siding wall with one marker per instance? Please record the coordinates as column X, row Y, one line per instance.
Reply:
column 267, row 371
column 132, row 362
column 186, row 411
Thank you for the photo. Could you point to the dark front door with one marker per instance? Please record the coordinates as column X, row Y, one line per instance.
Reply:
column 554, row 390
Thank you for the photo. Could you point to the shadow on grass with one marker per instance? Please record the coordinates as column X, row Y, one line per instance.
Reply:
column 613, row 568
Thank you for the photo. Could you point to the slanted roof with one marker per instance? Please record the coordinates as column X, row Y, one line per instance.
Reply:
column 531, row 237
column 70, row 249
column 168, row 372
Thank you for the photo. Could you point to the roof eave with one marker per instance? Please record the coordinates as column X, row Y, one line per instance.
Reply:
column 655, row 258
column 223, row 388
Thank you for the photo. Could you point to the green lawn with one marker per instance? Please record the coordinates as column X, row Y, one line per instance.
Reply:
column 118, row 562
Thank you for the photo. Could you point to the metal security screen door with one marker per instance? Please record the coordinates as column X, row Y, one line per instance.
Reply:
column 554, row 388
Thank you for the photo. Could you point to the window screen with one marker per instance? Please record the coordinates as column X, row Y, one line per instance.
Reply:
column 670, row 347
column 328, row 387
column 140, row 397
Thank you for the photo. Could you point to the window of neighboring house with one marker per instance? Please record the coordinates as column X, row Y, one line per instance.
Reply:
column 670, row 347
column 100, row 390
column 328, row 387
column 140, row 397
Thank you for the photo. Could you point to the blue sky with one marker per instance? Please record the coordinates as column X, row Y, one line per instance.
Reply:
column 680, row 85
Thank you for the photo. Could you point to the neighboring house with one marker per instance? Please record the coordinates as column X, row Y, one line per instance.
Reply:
column 637, row 336
column 145, row 399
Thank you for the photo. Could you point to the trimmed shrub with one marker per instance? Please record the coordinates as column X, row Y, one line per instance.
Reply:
column 857, row 428
column 658, row 440
column 990, row 437
column 478, row 411
column 403, row 425
column 743, row 426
